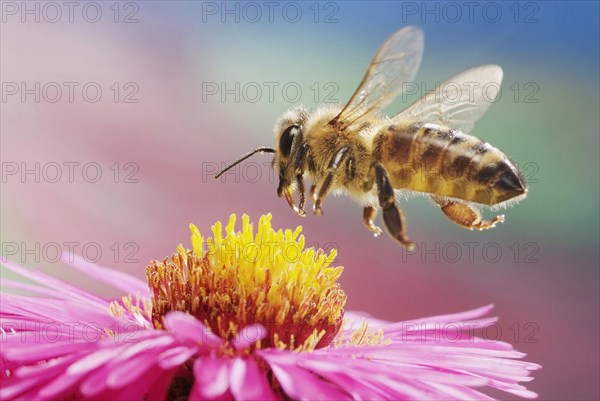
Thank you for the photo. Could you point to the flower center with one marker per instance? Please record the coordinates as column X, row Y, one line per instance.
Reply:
column 267, row 278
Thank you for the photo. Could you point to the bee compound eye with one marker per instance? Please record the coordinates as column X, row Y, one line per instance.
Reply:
column 287, row 139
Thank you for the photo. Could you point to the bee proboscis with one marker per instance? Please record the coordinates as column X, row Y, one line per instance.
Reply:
column 424, row 149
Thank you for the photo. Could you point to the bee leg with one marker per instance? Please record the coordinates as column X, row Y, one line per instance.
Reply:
column 290, row 200
column 299, row 166
column 334, row 164
column 313, row 191
column 466, row 216
column 392, row 214
column 369, row 213
column 318, row 197
column 300, row 183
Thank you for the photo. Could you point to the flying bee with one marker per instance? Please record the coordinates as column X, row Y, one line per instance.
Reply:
column 424, row 149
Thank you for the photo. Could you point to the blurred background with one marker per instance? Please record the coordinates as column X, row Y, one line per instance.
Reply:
column 116, row 115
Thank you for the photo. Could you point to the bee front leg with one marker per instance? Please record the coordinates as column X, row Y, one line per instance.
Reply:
column 290, row 200
column 300, row 184
column 465, row 216
column 369, row 213
column 392, row 214
column 335, row 163
column 299, row 167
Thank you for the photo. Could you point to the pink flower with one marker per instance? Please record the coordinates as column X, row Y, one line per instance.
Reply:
column 243, row 318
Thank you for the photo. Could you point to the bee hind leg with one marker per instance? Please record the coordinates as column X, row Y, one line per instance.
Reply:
column 369, row 213
column 466, row 216
column 335, row 163
column 392, row 214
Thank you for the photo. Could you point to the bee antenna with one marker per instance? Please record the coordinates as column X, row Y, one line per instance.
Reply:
column 247, row 155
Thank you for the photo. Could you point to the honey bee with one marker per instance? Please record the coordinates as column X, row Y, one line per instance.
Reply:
column 376, row 159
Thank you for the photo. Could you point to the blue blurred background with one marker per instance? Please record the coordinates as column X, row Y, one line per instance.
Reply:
column 198, row 84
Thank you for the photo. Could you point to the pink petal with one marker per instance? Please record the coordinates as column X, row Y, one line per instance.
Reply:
column 212, row 377
column 187, row 327
column 127, row 363
column 461, row 316
column 104, row 358
column 126, row 373
column 421, row 362
column 29, row 379
column 16, row 388
column 62, row 290
column 94, row 383
column 461, row 392
column 17, row 285
column 39, row 352
column 77, row 371
column 122, row 281
column 248, row 382
column 393, row 380
column 138, row 390
column 174, row 357
column 158, row 341
column 299, row 383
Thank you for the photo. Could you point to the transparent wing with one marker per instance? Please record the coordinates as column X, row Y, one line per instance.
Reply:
column 396, row 62
column 459, row 101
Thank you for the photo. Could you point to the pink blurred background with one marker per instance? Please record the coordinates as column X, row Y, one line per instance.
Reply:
column 158, row 139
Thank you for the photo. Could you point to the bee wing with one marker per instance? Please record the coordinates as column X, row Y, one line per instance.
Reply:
column 459, row 101
column 397, row 61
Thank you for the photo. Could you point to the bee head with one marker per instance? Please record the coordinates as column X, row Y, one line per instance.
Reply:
column 288, row 141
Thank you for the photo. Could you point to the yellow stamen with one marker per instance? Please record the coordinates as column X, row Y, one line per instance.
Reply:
column 231, row 281
column 139, row 308
column 363, row 336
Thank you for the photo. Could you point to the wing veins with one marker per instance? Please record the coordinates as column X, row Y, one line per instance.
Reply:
column 396, row 61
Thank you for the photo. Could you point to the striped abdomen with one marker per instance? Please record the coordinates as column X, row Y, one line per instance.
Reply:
column 442, row 161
